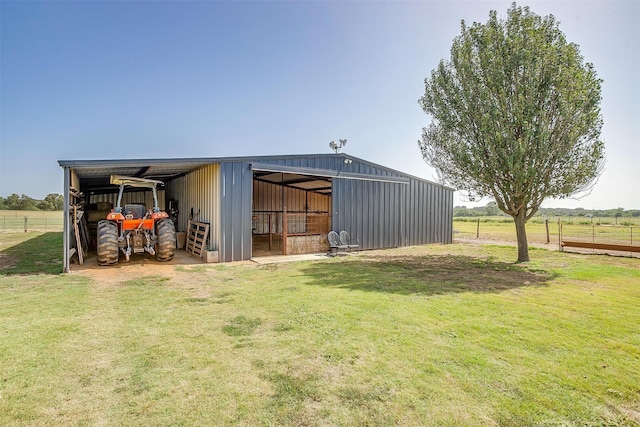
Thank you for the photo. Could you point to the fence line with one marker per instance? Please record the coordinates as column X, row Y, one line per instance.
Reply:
column 24, row 221
column 552, row 233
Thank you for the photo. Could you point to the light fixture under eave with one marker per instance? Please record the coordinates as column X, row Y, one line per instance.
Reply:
column 336, row 146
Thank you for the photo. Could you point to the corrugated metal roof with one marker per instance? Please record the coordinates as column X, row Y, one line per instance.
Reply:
column 166, row 169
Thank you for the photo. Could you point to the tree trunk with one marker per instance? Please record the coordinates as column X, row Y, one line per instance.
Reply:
column 521, row 236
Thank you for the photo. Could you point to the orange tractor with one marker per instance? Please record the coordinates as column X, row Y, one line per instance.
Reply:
column 132, row 229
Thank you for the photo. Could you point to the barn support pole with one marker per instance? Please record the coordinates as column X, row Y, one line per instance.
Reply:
column 285, row 230
column 65, row 233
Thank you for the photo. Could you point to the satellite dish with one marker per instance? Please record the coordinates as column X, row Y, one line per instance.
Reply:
column 336, row 146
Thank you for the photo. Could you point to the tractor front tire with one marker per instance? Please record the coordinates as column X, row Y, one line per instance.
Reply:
column 166, row 240
column 107, row 243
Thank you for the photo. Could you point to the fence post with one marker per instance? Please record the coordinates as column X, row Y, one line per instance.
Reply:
column 559, row 235
column 26, row 219
column 546, row 225
column 478, row 229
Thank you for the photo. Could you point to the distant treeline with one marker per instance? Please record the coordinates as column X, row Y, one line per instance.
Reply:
column 53, row 202
column 492, row 210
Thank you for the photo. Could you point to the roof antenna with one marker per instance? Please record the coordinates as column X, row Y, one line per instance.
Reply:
column 336, row 146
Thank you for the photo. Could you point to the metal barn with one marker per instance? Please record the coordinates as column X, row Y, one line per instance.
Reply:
column 270, row 204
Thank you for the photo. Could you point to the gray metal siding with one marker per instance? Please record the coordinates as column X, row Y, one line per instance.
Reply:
column 385, row 215
column 370, row 211
column 235, row 203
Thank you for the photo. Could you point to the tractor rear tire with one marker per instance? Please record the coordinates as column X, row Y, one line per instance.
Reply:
column 166, row 240
column 107, row 243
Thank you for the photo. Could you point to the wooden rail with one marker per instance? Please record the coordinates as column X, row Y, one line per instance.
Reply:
column 602, row 246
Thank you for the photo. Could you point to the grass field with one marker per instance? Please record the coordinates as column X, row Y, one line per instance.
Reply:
column 453, row 335
column 43, row 221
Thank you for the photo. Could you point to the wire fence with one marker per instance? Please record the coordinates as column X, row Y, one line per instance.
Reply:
column 610, row 234
column 25, row 221
column 504, row 230
column 553, row 233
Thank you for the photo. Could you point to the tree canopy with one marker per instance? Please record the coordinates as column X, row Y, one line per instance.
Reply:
column 52, row 202
column 515, row 115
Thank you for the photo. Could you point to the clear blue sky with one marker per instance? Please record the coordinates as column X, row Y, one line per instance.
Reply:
column 144, row 79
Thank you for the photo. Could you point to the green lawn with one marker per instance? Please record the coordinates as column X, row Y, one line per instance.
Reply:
column 452, row 335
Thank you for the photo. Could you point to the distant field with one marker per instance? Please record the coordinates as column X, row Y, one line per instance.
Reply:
column 13, row 221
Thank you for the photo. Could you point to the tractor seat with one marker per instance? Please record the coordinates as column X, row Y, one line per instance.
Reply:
column 136, row 211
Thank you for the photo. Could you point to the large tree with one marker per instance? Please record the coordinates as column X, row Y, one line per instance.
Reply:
column 52, row 202
column 23, row 202
column 515, row 116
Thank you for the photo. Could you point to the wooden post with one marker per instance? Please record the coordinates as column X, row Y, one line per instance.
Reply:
column 546, row 224
column 559, row 235
column 76, row 231
column 285, row 225
column 478, row 229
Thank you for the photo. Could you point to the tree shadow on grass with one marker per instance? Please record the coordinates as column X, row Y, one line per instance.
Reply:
column 41, row 254
column 425, row 275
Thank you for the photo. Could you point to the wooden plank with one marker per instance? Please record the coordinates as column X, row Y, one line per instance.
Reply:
column 603, row 246
column 197, row 233
column 76, row 231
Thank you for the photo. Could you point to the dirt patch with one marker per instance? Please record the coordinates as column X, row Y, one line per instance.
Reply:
column 138, row 266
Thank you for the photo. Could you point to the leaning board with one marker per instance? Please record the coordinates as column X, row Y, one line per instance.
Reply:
column 197, row 233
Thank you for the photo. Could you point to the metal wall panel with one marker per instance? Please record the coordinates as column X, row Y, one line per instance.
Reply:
column 235, row 211
column 384, row 215
column 428, row 214
column 371, row 211
column 198, row 197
